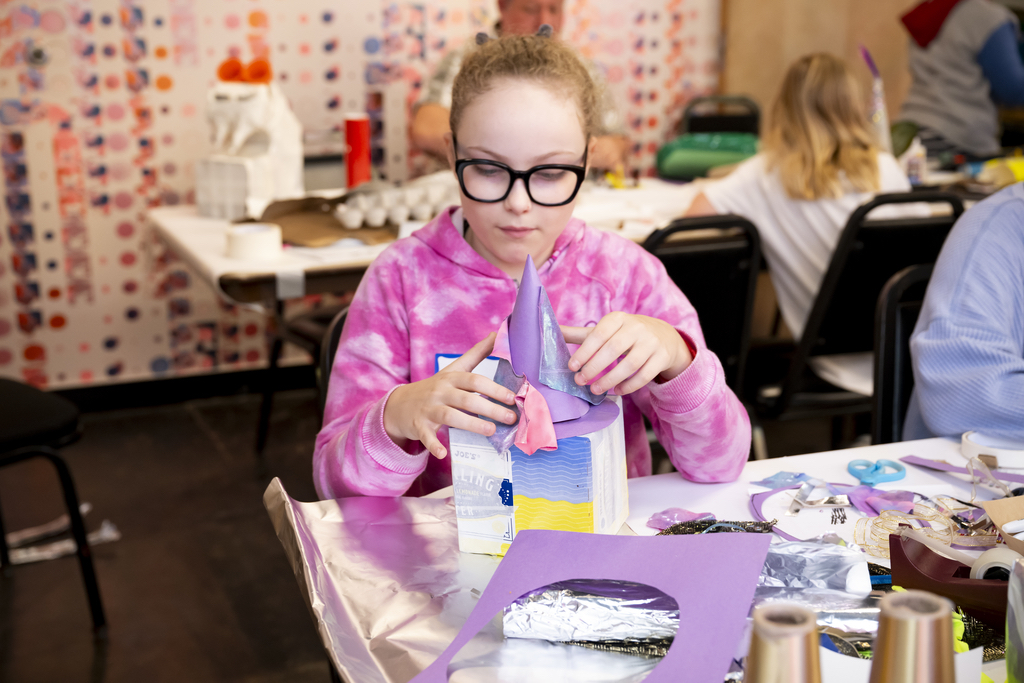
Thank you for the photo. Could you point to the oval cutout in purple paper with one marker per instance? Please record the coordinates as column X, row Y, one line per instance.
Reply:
column 533, row 646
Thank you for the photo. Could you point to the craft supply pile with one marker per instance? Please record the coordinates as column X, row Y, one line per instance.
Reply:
column 842, row 551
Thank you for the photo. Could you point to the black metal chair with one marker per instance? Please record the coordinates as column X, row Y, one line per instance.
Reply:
column 717, row 271
column 32, row 424
column 328, row 349
column 721, row 114
column 899, row 306
column 842, row 318
column 305, row 330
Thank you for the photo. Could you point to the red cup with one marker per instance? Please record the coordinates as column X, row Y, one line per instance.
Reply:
column 357, row 139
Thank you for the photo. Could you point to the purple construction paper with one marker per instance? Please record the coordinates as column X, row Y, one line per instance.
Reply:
column 524, row 339
column 712, row 577
column 946, row 467
column 597, row 418
column 539, row 352
column 757, row 502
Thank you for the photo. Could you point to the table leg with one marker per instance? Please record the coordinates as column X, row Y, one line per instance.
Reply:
column 267, row 404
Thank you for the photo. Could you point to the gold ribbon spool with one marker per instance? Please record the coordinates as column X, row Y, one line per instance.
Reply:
column 784, row 648
column 915, row 639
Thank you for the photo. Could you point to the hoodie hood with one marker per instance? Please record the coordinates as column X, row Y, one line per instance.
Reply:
column 443, row 237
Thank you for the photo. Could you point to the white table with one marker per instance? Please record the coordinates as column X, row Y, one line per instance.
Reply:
column 391, row 621
column 201, row 242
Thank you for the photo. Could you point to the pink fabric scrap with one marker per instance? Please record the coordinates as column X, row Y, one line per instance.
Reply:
column 536, row 430
column 666, row 518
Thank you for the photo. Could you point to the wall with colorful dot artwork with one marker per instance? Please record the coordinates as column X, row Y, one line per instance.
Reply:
column 102, row 118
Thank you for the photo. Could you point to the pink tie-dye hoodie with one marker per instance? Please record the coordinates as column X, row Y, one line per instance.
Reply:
column 432, row 293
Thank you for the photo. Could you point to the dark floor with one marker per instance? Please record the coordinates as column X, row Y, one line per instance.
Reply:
column 198, row 589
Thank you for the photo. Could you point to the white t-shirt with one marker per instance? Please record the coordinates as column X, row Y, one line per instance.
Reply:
column 798, row 237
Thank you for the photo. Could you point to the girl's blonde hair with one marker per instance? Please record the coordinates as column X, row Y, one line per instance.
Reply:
column 818, row 132
column 544, row 60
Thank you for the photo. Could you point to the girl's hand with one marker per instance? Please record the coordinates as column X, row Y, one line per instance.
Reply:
column 648, row 348
column 415, row 411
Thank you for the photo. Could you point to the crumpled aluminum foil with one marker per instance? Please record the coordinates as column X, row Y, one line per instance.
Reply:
column 835, row 608
column 816, row 564
column 595, row 610
column 815, row 574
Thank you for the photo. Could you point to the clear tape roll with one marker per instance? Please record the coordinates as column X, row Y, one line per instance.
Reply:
column 254, row 241
column 973, row 445
column 994, row 558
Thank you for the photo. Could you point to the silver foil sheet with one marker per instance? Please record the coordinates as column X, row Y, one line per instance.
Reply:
column 593, row 611
column 388, row 590
column 816, row 564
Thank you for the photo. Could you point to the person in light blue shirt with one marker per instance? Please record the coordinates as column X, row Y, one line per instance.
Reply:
column 968, row 345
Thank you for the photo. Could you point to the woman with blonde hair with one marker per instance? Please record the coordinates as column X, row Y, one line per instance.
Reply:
column 819, row 161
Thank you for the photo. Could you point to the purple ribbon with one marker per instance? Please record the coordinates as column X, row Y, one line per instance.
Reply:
column 757, row 502
column 946, row 467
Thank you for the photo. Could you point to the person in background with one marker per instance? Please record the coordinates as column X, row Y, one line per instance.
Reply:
column 518, row 17
column 523, row 118
column 819, row 161
column 967, row 348
column 964, row 60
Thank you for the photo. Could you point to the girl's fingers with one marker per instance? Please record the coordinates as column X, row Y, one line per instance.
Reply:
column 470, row 359
column 478, row 405
column 618, row 345
column 431, row 443
column 595, row 341
column 469, row 423
column 467, row 381
column 626, row 368
column 639, row 380
column 575, row 335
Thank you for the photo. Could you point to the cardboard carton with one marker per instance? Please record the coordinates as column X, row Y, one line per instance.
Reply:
column 581, row 486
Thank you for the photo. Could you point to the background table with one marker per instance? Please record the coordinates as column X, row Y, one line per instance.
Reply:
column 201, row 242
column 415, row 589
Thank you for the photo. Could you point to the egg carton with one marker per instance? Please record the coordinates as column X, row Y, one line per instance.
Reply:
column 395, row 205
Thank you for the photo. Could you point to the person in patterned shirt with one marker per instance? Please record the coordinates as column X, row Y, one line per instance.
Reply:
column 518, row 17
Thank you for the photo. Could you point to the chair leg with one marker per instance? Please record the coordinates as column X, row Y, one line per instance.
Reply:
column 5, row 559
column 838, row 431
column 263, row 426
column 84, row 553
column 82, row 550
column 758, row 442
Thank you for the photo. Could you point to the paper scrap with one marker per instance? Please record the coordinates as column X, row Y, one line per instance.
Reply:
column 714, row 575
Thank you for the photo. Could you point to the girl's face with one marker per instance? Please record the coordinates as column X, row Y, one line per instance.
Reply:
column 521, row 124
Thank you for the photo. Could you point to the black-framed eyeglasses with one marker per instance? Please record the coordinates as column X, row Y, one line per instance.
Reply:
column 489, row 181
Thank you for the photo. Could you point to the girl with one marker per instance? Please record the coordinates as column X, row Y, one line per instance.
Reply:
column 819, row 162
column 523, row 115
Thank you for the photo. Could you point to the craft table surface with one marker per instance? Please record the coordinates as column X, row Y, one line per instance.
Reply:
column 202, row 242
column 310, row 533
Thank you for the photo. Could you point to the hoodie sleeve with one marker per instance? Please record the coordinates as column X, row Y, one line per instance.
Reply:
column 697, row 418
column 353, row 453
